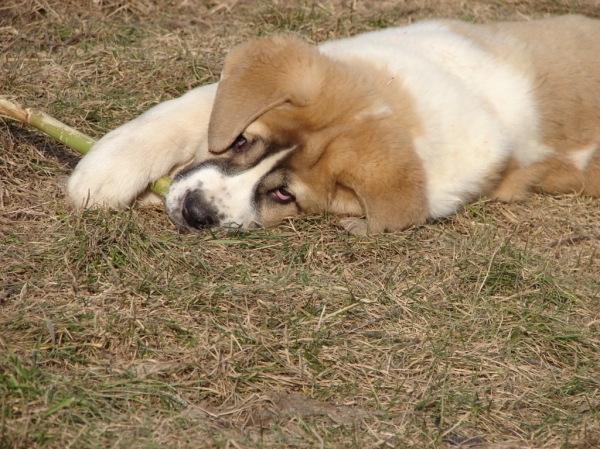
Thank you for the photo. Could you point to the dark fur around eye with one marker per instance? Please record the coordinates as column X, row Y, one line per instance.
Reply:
column 241, row 144
column 281, row 195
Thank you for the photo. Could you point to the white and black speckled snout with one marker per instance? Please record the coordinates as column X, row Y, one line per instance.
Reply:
column 213, row 194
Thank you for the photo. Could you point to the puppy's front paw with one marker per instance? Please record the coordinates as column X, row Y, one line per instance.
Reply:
column 354, row 226
column 105, row 178
column 111, row 174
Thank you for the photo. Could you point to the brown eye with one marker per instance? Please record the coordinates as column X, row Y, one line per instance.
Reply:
column 240, row 144
column 281, row 195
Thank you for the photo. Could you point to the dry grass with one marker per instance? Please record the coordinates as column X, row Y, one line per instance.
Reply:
column 481, row 330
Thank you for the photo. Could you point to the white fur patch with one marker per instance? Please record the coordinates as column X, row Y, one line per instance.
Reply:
column 231, row 196
column 581, row 158
column 378, row 109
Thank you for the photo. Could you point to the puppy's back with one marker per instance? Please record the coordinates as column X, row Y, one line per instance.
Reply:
column 561, row 57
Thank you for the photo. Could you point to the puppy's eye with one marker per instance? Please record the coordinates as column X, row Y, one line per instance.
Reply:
column 281, row 195
column 240, row 144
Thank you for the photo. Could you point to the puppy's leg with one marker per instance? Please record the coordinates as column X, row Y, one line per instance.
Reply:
column 120, row 166
column 355, row 226
column 514, row 182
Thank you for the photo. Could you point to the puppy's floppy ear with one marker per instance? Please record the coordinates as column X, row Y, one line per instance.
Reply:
column 390, row 182
column 257, row 77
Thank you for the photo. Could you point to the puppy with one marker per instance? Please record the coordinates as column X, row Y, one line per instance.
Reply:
column 399, row 125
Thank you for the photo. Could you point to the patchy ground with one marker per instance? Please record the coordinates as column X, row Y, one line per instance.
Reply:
column 481, row 330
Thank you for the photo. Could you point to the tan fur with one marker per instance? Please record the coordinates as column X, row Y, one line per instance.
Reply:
column 561, row 56
column 353, row 160
column 592, row 175
column 233, row 112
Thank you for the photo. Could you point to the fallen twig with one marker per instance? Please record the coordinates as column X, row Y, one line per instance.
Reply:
column 74, row 139
column 571, row 240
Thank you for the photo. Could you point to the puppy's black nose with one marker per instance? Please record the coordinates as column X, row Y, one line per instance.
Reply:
column 194, row 214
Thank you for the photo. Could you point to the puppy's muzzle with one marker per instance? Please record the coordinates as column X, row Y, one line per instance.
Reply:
column 196, row 214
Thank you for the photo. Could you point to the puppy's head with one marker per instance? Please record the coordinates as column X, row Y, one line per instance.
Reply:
column 293, row 131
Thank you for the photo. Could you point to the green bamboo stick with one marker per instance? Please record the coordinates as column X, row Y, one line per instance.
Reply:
column 77, row 140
